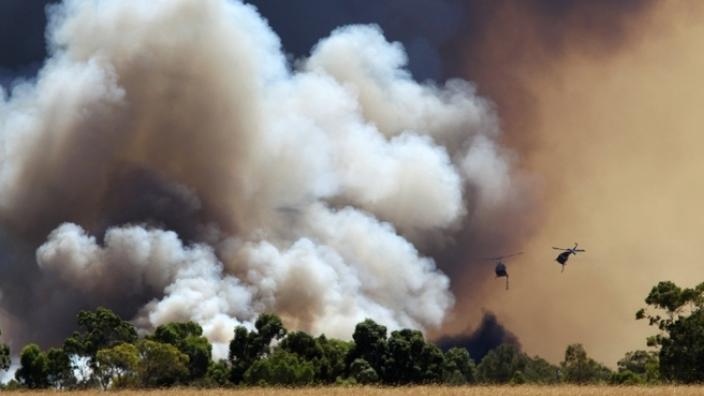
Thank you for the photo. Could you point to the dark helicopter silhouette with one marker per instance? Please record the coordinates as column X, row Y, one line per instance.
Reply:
column 565, row 255
column 500, row 268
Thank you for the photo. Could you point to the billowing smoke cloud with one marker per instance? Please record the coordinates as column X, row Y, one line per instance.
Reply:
column 170, row 163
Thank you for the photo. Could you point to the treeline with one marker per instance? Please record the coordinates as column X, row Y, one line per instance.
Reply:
column 106, row 352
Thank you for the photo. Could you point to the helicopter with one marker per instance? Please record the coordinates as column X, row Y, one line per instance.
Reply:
column 565, row 255
column 500, row 269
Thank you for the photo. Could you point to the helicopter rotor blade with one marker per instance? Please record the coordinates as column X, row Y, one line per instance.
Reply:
column 501, row 257
column 511, row 255
column 556, row 248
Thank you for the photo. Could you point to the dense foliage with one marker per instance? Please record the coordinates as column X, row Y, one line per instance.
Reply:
column 578, row 368
column 106, row 352
column 678, row 314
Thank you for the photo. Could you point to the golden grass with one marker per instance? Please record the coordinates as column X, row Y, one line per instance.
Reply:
column 566, row 390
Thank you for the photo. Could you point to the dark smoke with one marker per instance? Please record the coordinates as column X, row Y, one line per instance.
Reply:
column 489, row 335
column 141, row 196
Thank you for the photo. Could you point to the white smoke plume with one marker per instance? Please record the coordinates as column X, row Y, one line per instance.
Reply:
column 182, row 169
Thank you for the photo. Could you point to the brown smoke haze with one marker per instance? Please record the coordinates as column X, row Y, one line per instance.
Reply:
column 607, row 114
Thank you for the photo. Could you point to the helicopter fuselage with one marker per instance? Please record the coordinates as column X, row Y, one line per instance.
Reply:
column 562, row 257
column 500, row 270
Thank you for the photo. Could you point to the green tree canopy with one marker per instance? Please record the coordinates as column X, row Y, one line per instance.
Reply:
column 540, row 371
column 117, row 366
column 332, row 366
column 178, row 354
column 410, row 360
column 218, row 374
column 280, row 368
column 679, row 316
column 248, row 346
column 244, row 350
column 303, row 345
column 188, row 338
column 370, row 345
column 269, row 327
column 363, row 372
column 59, row 369
column 161, row 364
column 34, row 368
column 459, row 367
column 501, row 364
column 99, row 329
column 644, row 365
column 4, row 356
column 579, row 368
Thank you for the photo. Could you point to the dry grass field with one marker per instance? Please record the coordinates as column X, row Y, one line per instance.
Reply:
column 412, row 391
